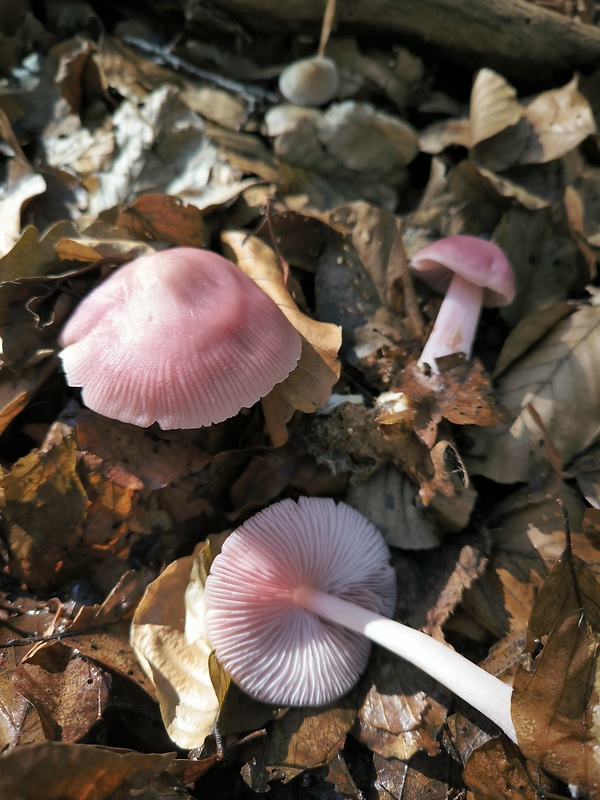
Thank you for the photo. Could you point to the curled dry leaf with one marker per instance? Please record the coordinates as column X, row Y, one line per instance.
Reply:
column 20, row 184
column 493, row 107
column 309, row 385
column 555, row 702
column 560, row 379
column 461, row 393
column 505, row 133
column 560, row 119
column 177, row 664
column 19, row 722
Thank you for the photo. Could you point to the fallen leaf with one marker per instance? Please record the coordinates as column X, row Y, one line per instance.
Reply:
column 63, row 771
column 163, row 218
column 28, row 620
column 558, row 377
column 400, row 714
column 544, row 258
column 526, row 541
column 309, row 385
column 176, row 663
column 494, row 106
column 43, row 496
column 305, row 738
column 68, row 691
column 493, row 772
column 461, row 393
column 555, row 699
column 20, row 184
column 560, row 120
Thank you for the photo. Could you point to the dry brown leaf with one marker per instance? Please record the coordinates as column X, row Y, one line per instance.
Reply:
column 528, row 332
column 176, row 662
column 555, row 701
column 43, row 496
column 19, row 722
column 494, row 106
column 423, row 776
column 560, row 379
column 544, row 258
column 63, row 771
column 309, row 385
column 163, row 218
column 560, row 119
column 304, row 738
column 67, row 690
column 20, row 184
column 461, row 393
column 527, row 540
column 101, row 632
column 492, row 772
column 400, row 714
column 387, row 499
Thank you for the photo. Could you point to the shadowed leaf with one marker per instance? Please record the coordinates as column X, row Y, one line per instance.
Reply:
column 555, row 704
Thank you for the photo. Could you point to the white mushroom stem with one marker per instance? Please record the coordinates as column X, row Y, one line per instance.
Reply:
column 456, row 324
column 466, row 680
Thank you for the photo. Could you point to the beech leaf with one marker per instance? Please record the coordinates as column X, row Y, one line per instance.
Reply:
column 177, row 665
column 494, row 106
column 561, row 380
column 309, row 385
column 555, row 703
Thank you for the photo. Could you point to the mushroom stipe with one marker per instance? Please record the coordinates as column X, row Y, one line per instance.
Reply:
column 295, row 596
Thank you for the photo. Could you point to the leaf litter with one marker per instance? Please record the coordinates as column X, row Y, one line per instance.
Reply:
column 117, row 145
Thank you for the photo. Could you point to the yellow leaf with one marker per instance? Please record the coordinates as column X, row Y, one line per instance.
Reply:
column 176, row 663
column 309, row 384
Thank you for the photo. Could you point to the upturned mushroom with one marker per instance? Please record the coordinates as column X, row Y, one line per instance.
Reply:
column 180, row 337
column 473, row 273
column 295, row 596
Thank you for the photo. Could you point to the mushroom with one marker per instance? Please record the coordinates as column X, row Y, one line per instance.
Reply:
column 310, row 81
column 181, row 337
column 473, row 272
column 292, row 596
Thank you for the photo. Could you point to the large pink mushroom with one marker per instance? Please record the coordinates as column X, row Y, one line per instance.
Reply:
column 295, row 596
column 180, row 337
column 473, row 273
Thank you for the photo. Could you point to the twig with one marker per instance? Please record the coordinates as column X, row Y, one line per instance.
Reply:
column 254, row 95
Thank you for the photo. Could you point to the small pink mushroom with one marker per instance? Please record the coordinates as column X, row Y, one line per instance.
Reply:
column 473, row 272
column 180, row 337
column 292, row 596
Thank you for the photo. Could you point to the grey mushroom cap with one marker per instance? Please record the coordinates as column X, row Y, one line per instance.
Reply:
column 310, row 81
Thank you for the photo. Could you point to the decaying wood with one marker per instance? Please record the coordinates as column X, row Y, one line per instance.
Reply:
column 507, row 34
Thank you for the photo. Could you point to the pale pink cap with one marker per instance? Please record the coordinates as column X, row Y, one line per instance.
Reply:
column 275, row 650
column 476, row 260
column 180, row 337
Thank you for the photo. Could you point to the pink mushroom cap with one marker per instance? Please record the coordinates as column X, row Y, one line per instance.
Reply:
column 473, row 273
column 273, row 648
column 181, row 337
column 476, row 260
